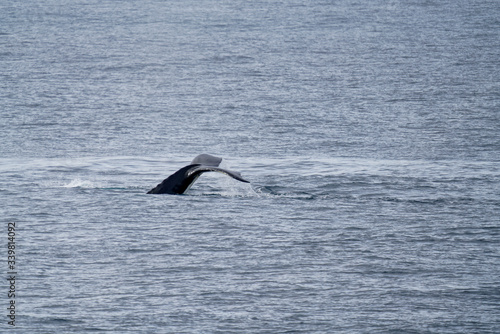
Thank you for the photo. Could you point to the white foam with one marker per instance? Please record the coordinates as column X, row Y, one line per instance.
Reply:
column 79, row 183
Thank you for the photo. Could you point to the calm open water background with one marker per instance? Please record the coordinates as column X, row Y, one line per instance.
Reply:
column 370, row 131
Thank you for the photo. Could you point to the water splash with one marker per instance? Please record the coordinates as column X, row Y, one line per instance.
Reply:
column 79, row 183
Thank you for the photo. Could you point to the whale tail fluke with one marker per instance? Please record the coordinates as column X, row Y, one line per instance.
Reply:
column 207, row 160
column 180, row 181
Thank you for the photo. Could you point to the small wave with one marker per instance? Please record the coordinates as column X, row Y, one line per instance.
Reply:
column 279, row 192
column 229, row 189
column 79, row 183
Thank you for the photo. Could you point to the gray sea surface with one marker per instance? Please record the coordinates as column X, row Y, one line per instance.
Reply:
column 370, row 132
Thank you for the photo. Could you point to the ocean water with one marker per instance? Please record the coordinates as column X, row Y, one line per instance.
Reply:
column 370, row 132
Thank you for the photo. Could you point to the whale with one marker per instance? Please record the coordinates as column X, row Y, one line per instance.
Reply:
column 183, row 179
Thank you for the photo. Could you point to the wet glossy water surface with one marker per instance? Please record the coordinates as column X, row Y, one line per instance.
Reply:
column 370, row 133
